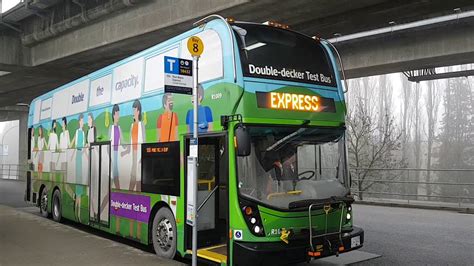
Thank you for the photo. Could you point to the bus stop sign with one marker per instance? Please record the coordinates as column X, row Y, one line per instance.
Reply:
column 178, row 75
column 195, row 46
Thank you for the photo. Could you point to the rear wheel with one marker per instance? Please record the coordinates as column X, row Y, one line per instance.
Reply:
column 43, row 203
column 164, row 233
column 56, row 212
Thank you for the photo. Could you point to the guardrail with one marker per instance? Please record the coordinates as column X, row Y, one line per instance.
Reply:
column 433, row 187
column 13, row 171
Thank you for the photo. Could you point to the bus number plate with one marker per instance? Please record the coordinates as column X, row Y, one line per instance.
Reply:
column 355, row 241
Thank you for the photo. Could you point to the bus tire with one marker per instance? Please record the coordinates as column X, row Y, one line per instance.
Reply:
column 43, row 203
column 56, row 208
column 164, row 233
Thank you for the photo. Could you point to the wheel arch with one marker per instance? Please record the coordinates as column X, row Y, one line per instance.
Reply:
column 38, row 200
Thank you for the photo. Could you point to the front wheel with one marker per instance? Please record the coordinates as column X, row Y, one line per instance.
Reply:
column 43, row 203
column 164, row 233
column 57, row 215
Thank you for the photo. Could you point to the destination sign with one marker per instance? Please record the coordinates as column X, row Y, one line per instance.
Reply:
column 295, row 102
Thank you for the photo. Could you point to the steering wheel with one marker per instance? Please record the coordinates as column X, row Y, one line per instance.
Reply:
column 311, row 172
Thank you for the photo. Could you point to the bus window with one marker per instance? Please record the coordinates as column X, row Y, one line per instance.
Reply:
column 211, row 64
column 160, row 163
column 273, row 53
column 154, row 65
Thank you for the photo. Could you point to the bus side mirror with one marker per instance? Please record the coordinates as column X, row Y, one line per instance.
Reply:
column 242, row 141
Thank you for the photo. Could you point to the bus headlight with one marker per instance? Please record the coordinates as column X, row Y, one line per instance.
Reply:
column 348, row 216
column 257, row 229
column 252, row 217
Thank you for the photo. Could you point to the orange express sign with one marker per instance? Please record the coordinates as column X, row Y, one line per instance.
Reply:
column 295, row 102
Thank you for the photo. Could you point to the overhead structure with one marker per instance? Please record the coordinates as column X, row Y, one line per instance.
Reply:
column 46, row 43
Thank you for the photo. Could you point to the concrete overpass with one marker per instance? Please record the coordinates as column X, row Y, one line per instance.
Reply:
column 46, row 43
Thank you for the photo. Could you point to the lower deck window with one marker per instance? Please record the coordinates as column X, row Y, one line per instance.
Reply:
column 160, row 168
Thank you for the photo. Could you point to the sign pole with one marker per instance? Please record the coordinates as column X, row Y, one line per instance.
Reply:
column 195, row 161
column 195, row 48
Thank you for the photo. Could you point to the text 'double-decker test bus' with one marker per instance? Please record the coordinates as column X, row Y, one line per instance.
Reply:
column 109, row 150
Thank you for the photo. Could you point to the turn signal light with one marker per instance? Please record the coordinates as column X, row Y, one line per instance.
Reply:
column 341, row 248
column 314, row 254
column 248, row 210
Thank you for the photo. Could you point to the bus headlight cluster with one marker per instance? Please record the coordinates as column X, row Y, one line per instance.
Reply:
column 349, row 213
column 252, row 218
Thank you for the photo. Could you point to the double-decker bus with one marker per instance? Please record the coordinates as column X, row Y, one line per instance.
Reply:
column 109, row 149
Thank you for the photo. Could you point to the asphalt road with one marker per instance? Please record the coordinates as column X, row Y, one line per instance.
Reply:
column 406, row 236
column 401, row 236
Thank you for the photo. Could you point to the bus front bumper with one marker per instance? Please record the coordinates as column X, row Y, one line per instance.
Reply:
column 279, row 253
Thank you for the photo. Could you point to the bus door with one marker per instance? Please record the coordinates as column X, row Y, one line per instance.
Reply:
column 99, row 172
column 212, row 185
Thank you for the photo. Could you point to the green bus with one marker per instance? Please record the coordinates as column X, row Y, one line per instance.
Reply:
column 109, row 149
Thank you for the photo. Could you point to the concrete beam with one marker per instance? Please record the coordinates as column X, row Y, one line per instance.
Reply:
column 427, row 48
column 150, row 17
column 11, row 53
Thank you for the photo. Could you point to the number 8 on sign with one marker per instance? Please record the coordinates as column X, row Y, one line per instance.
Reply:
column 195, row 46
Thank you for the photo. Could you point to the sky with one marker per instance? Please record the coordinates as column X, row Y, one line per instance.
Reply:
column 8, row 4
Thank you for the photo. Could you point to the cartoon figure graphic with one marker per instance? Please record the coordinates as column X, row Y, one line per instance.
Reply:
column 136, row 137
column 204, row 115
column 39, row 152
column 63, row 145
column 79, row 143
column 53, row 147
column 32, row 148
column 167, row 123
column 115, row 140
column 91, row 133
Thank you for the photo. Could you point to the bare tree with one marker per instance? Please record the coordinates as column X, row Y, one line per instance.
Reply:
column 370, row 145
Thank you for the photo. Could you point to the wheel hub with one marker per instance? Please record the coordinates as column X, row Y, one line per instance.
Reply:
column 164, row 234
column 56, row 208
column 44, row 202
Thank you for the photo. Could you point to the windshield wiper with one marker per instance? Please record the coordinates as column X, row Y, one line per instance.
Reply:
column 284, row 139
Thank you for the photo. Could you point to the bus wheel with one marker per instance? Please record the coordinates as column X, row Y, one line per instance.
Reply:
column 57, row 215
column 44, row 203
column 164, row 233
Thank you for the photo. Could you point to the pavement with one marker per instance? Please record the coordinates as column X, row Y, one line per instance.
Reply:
column 393, row 236
column 29, row 239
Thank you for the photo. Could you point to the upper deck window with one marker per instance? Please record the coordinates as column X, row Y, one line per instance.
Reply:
column 274, row 53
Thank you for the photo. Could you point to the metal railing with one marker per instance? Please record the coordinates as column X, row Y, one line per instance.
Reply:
column 433, row 187
column 13, row 171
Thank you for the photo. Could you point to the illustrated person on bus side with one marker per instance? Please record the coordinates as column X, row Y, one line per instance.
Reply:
column 79, row 143
column 136, row 137
column 204, row 114
column 167, row 123
column 53, row 147
column 91, row 133
column 63, row 145
column 40, row 154
column 32, row 147
column 116, row 141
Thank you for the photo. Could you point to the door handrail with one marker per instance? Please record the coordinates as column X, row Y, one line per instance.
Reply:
column 207, row 198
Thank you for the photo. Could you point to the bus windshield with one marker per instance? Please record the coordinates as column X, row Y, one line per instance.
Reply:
column 288, row 165
column 274, row 53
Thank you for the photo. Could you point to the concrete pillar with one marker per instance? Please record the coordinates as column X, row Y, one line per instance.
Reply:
column 19, row 113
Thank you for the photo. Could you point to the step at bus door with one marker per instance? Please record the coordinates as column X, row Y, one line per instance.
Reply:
column 99, row 194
